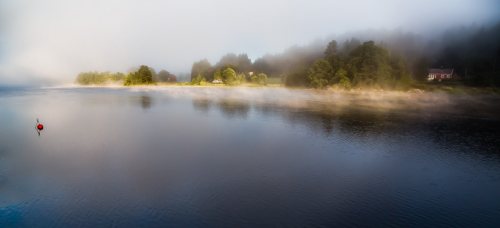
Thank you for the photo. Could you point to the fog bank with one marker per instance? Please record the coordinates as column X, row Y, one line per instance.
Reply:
column 51, row 41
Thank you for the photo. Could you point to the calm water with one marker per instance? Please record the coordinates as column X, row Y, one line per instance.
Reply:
column 185, row 157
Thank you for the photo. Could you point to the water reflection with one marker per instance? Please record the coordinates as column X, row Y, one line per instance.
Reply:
column 144, row 100
column 367, row 122
column 202, row 105
column 229, row 108
column 234, row 108
column 249, row 160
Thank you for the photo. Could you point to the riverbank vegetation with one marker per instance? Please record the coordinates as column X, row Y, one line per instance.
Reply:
column 390, row 61
column 354, row 65
column 98, row 78
column 144, row 75
column 396, row 61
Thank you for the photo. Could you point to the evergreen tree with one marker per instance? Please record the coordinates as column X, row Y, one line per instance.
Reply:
column 369, row 65
column 319, row 74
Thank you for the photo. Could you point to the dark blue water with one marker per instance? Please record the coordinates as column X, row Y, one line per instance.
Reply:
column 218, row 157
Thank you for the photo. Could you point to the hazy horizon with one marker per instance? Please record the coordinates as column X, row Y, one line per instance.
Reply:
column 51, row 41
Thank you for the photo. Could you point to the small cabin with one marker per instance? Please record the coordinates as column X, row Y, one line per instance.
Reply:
column 440, row 74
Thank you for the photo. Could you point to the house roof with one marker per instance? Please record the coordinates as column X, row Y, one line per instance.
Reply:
column 440, row 71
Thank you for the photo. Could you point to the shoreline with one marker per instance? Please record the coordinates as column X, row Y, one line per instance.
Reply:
column 434, row 89
column 422, row 102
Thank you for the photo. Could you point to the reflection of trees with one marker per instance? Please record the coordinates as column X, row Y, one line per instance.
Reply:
column 360, row 121
column 476, row 134
column 232, row 108
column 145, row 101
column 202, row 105
column 327, row 118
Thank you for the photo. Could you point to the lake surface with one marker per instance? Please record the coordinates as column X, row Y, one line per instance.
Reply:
column 229, row 157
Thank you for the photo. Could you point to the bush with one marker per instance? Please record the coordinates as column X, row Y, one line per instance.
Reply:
column 229, row 77
column 260, row 79
column 199, row 80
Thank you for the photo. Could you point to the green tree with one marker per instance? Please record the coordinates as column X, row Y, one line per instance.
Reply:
column 241, row 77
column 400, row 73
column 244, row 63
column 370, row 65
column 118, row 76
column 260, row 79
column 348, row 46
column 97, row 78
column 165, row 76
column 340, row 78
column 229, row 76
column 239, row 63
column 319, row 74
column 141, row 76
column 199, row 80
column 332, row 55
column 203, row 68
column 145, row 74
column 331, row 49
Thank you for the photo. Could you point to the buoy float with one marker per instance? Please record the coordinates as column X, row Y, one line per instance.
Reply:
column 39, row 126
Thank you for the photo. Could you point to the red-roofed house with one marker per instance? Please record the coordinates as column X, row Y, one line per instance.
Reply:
column 440, row 74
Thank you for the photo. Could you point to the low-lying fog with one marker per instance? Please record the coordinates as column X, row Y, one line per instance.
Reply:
column 207, row 156
column 414, row 102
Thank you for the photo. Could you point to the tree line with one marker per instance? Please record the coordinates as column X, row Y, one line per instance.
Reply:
column 143, row 75
column 395, row 60
column 475, row 55
column 232, row 69
column 353, row 64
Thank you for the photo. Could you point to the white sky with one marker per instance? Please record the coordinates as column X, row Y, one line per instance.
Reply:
column 53, row 40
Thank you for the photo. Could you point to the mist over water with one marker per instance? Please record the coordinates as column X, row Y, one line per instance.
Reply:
column 248, row 142
column 246, row 157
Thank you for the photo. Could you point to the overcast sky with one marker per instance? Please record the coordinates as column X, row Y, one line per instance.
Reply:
column 53, row 40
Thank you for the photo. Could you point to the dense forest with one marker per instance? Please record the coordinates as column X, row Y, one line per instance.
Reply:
column 374, row 59
column 352, row 64
column 475, row 56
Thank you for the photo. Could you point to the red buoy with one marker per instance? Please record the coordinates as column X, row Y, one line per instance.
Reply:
column 39, row 126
